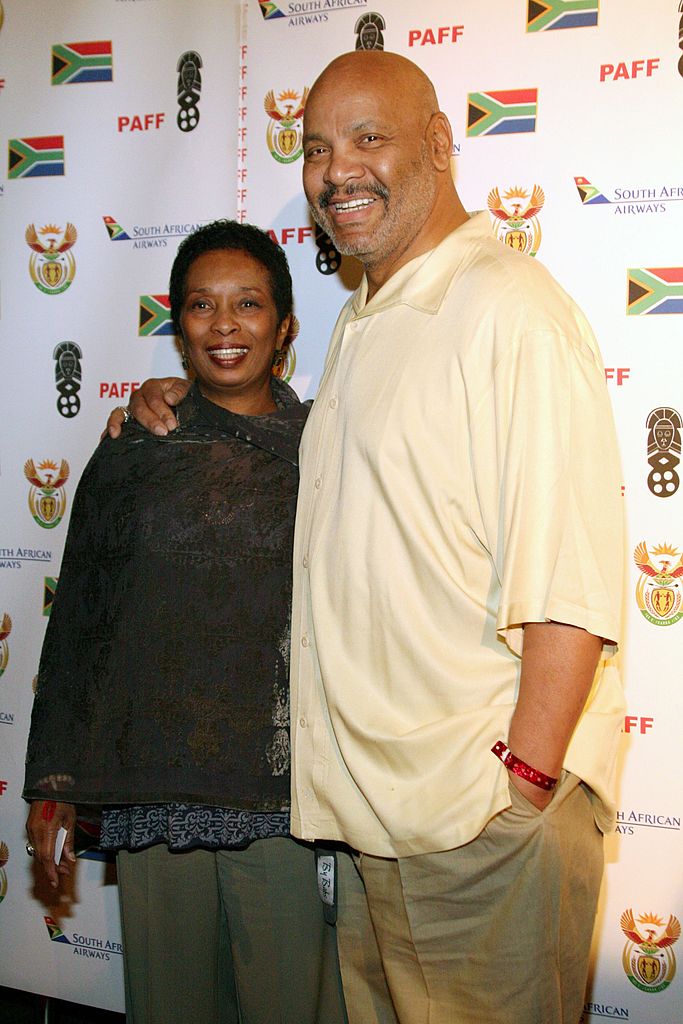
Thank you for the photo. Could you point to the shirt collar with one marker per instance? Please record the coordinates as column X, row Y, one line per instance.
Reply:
column 423, row 282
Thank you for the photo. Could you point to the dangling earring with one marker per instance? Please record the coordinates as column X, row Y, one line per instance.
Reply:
column 184, row 362
column 278, row 362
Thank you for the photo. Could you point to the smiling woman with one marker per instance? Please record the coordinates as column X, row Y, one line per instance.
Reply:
column 176, row 582
column 230, row 330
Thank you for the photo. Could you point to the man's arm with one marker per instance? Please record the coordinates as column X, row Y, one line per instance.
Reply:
column 151, row 405
column 558, row 665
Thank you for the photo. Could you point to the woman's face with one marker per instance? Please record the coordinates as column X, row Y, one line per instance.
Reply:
column 230, row 329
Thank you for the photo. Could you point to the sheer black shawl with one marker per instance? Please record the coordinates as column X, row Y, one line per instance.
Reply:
column 164, row 672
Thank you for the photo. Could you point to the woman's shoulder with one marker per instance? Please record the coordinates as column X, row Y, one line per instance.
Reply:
column 287, row 400
column 283, row 393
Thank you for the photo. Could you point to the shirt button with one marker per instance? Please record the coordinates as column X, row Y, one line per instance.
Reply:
column 333, row 403
column 305, row 641
column 318, row 482
column 303, row 723
column 304, row 561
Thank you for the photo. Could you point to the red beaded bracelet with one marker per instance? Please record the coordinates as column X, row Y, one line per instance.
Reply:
column 521, row 768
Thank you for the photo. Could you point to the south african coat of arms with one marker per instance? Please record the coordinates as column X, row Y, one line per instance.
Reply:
column 516, row 223
column 52, row 265
column 47, row 498
column 285, row 132
column 659, row 591
column 648, row 959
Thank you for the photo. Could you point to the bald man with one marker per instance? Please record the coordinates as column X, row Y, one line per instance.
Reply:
column 457, row 574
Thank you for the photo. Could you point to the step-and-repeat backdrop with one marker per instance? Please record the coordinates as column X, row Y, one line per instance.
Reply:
column 125, row 123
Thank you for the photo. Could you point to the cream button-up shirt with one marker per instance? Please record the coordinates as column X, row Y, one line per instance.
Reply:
column 459, row 477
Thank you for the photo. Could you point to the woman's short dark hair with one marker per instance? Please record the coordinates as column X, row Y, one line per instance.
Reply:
column 228, row 234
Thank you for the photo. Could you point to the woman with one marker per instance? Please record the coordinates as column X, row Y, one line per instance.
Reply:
column 163, row 685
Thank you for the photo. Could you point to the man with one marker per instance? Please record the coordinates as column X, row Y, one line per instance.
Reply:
column 457, row 566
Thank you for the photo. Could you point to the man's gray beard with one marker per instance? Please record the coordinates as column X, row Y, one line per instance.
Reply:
column 422, row 189
column 345, row 249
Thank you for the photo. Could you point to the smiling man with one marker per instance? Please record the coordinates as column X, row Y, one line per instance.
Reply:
column 457, row 579
column 373, row 189
column 457, row 572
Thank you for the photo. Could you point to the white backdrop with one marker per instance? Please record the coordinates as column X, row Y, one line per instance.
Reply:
column 566, row 119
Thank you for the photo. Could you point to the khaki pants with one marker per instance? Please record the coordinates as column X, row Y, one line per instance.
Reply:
column 231, row 937
column 494, row 932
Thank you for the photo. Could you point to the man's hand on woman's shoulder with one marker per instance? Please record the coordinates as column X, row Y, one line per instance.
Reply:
column 151, row 405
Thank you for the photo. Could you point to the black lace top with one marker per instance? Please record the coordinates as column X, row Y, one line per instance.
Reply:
column 164, row 672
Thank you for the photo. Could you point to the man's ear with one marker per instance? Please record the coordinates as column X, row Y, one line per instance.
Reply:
column 440, row 141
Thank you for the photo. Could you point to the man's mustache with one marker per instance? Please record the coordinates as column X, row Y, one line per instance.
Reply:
column 324, row 198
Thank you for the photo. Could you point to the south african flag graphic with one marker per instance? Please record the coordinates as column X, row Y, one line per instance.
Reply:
column 655, row 290
column 545, row 15
column 38, row 157
column 115, row 231
column 590, row 195
column 49, row 591
column 155, row 315
column 82, row 62
column 503, row 112
column 269, row 10
column 55, row 932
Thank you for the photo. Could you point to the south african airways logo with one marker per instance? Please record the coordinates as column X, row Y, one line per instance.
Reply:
column 306, row 12
column 630, row 199
column 149, row 236
column 84, row 945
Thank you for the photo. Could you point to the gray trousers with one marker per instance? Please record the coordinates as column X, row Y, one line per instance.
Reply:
column 227, row 937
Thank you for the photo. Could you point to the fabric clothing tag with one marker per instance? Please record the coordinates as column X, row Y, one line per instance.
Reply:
column 327, row 883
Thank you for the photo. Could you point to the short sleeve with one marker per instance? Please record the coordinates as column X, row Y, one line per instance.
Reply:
column 547, row 482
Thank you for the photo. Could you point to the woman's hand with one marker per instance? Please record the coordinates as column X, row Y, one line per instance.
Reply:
column 151, row 406
column 45, row 819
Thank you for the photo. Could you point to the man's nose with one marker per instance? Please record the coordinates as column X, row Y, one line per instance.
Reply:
column 342, row 167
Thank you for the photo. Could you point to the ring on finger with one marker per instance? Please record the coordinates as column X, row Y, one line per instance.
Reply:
column 126, row 412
